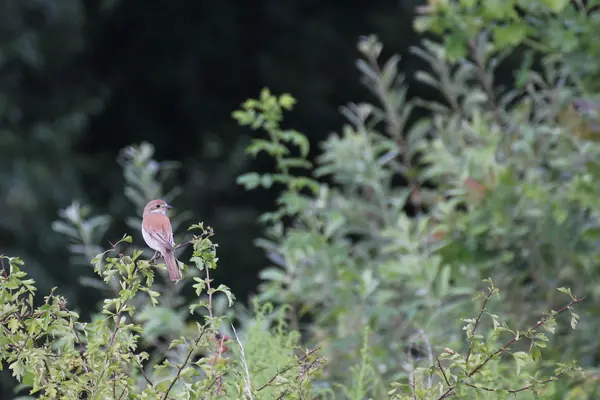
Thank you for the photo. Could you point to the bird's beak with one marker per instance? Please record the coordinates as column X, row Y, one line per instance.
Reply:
column 168, row 206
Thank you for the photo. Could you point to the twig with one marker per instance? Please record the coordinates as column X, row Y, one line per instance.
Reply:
column 187, row 359
column 144, row 372
column 282, row 394
column 289, row 367
column 451, row 389
column 522, row 389
column 483, row 309
column 541, row 322
column 447, row 393
column 179, row 246
column 3, row 268
column 439, row 364
column 82, row 349
column 114, row 247
column 208, row 280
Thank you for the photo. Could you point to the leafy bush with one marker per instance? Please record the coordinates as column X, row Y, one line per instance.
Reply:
column 378, row 247
column 51, row 351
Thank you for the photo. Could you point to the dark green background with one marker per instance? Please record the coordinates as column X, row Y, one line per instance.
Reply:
column 79, row 80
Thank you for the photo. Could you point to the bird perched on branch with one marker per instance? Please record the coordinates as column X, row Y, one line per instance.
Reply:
column 158, row 235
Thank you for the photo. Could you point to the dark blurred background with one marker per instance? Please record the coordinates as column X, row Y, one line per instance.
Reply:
column 80, row 80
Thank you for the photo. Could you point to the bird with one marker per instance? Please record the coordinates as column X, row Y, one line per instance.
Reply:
column 158, row 234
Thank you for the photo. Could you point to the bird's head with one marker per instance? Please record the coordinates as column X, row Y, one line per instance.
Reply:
column 156, row 207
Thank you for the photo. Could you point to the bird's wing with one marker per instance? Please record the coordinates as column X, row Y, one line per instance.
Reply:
column 159, row 227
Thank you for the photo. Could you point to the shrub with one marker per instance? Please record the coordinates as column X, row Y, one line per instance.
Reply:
column 119, row 353
column 378, row 247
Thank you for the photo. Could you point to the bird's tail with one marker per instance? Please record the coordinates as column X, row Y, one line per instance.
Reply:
column 172, row 267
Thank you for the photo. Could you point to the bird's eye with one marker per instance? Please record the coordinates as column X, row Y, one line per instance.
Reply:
column 158, row 206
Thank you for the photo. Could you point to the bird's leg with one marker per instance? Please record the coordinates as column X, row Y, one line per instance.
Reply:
column 154, row 257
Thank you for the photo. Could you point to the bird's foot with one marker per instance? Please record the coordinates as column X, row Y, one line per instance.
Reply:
column 154, row 257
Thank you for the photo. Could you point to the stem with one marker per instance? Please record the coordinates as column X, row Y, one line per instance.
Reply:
column 483, row 309
column 187, row 359
column 514, row 339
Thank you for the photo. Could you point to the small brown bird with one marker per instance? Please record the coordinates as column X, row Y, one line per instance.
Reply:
column 158, row 234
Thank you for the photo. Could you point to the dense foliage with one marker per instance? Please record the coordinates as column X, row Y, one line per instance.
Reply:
column 434, row 248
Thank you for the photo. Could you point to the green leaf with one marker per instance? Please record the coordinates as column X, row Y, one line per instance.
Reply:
column 230, row 296
column 566, row 291
column 13, row 324
column 509, row 35
column 456, row 47
column 574, row 320
column 272, row 274
column 556, row 5
column 520, row 359
column 536, row 353
column 286, row 101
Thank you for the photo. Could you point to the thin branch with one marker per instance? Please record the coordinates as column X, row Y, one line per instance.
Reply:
column 114, row 247
column 439, row 364
column 448, row 393
column 3, row 268
column 522, row 389
column 82, row 349
column 541, row 322
column 483, row 309
column 187, row 359
column 179, row 246
column 208, row 280
column 289, row 367
column 144, row 373
column 282, row 394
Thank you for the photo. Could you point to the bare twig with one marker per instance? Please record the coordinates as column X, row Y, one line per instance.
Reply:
column 448, row 393
column 179, row 246
column 114, row 247
column 144, row 372
column 439, row 364
column 282, row 394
